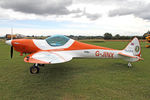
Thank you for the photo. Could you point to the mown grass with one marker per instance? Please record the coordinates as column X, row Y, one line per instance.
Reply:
column 79, row 79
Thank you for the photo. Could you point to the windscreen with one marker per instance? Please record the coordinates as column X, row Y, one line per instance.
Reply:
column 57, row 40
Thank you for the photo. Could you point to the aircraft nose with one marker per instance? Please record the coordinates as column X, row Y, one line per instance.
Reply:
column 8, row 42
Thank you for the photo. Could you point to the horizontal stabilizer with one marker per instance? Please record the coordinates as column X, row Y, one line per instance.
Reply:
column 130, row 57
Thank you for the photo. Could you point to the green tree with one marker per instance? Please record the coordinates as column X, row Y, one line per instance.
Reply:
column 117, row 36
column 107, row 36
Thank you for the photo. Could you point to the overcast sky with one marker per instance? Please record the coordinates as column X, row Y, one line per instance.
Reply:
column 76, row 17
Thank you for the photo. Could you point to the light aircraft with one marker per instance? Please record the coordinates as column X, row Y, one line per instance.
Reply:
column 148, row 40
column 60, row 49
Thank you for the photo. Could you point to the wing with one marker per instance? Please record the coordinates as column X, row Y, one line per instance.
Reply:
column 45, row 57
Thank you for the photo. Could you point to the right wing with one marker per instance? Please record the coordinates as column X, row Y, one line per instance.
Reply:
column 45, row 57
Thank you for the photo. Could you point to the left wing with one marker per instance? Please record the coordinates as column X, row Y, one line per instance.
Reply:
column 45, row 57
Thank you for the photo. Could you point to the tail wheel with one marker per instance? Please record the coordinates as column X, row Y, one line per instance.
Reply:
column 129, row 65
column 34, row 69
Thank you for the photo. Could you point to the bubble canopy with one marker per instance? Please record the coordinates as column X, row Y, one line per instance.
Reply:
column 57, row 40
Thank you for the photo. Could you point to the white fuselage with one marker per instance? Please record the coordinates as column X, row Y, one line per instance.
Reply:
column 93, row 53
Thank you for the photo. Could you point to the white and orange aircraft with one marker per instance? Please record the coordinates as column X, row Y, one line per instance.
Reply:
column 60, row 49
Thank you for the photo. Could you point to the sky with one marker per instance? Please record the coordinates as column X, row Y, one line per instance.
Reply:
column 74, row 17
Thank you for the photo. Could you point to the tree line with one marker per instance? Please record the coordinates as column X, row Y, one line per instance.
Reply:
column 106, row 36
column 109, row 36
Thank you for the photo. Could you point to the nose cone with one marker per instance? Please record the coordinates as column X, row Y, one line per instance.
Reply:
column 8, row 42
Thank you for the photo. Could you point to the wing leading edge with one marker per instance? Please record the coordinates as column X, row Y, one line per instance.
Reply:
column 45, row 57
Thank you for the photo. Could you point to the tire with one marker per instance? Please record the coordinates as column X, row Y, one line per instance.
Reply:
column 34, row 69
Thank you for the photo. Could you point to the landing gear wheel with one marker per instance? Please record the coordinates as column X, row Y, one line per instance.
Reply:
column 34, row 69
column 129, row 65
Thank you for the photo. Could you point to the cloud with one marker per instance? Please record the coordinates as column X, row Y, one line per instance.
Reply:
column 60, row 8
column 100, row 1
column 138, row 9
column 40, row 7
column 90, row 16
column 44, row 7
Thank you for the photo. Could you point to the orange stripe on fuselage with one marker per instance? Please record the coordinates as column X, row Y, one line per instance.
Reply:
column 81, row 46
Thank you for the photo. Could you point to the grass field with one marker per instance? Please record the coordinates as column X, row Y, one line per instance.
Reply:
column 79, row 79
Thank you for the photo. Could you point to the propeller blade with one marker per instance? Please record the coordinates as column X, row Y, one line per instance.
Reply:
column 11, row 52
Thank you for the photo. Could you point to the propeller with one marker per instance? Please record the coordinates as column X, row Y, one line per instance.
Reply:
column 11, row 52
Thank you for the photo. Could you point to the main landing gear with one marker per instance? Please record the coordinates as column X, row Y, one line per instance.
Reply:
column 35, row 68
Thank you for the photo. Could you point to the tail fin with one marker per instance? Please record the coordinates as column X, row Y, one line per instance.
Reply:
column 134, row 47
column 132, row 52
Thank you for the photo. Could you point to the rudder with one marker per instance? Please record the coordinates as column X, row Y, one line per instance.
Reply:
column 134, row 47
